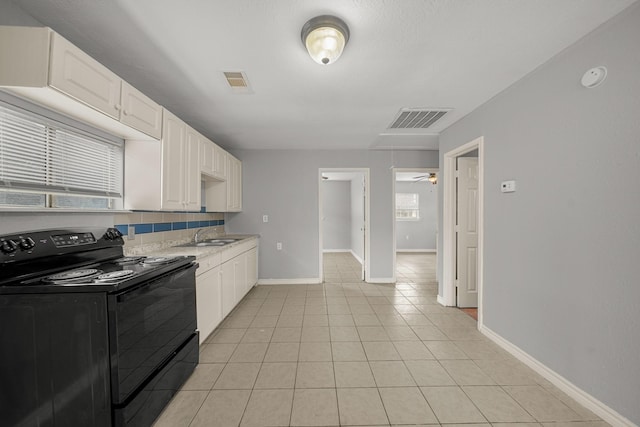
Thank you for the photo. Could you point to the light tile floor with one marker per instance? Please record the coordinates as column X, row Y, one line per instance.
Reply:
column 348, row 353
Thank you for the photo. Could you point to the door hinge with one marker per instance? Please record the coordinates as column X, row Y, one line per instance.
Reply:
column 457, row 173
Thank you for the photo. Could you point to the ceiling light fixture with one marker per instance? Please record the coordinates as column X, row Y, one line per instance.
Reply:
column 325, row 38
column 433, row 178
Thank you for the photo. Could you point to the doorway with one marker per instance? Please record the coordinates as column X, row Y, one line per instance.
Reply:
column 415, row 225
column 463, row 226
column 344, row 215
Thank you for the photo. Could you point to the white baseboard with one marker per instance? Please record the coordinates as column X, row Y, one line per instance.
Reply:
column 329, row 251
column 431, row 251
column 304, row 281
column 585, row 399
column 381, row 280
column 356, row 257
column 440, row 300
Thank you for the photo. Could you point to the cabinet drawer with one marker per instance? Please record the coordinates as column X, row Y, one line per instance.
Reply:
column 236, row 250
column 207, row 264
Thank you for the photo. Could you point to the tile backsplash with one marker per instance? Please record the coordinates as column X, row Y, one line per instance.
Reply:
column 165, row 228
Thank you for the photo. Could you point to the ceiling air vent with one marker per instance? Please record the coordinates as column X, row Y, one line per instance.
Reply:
column 235, row 79
column 414, row 118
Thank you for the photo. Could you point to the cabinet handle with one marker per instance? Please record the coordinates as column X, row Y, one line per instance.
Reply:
column 117, row 107
column 125, row 112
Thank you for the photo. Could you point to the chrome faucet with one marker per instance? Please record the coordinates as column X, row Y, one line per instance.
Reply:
column 196, row 236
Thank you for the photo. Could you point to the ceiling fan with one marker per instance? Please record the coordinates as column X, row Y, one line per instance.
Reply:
column 431, row 177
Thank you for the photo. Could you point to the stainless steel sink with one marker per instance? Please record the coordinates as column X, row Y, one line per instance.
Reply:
column 209, row 242
column 225, row 241
column 201, row 244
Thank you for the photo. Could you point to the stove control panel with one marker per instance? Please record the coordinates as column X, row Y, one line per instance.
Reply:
column 43, row 243
column 73, row 239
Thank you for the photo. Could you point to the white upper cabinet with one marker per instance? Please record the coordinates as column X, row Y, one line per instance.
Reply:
column 212, row 159
column 75, row 73
column 42, row 66
column 140, row 112
column 164, row 175
column 234, row 184
column 219, row 162
column 206, row 157
column 180, row 165
column 226, row 195
column 164, row 158
column 174, row 154
column 192, row 193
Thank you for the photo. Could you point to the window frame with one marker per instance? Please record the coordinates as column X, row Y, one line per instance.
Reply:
column 414, row 207
column 106, row 148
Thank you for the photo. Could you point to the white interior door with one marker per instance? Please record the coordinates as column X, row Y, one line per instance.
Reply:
column 467, row 232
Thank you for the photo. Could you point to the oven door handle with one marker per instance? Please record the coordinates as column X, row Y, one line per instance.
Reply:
column 146, row 287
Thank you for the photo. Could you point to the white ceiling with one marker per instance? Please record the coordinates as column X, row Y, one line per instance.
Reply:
column 406, row 53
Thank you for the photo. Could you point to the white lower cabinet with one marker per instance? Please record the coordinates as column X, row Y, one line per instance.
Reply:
column 222, row 280
column 227, row 274
column 240, row 275
column 209, row 301
column 252, row 268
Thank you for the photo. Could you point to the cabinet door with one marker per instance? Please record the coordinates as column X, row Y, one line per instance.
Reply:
column 238, row 187
column 208, row 301
column 252, row 268
column 78, row 75
column 192, row 171
column 219, row 162
column 234, row 185
column 140, row 112
column 173, row 162
column 206, row 156
column 227, row 279
column 240, row 268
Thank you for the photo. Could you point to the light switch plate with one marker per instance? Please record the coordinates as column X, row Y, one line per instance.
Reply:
column 508, row 186
column 265, row 218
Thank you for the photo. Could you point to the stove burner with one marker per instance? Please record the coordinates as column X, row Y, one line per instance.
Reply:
column 115, row 276
column 73, row 275
column 158, row 260
column 128, row 260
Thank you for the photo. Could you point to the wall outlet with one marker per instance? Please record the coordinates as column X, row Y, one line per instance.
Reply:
column 279, row 246
column 131, row 232
column 265, row 218
column 508, row 186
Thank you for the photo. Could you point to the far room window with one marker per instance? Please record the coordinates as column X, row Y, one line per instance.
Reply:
column 407, row 207
column 45, row 163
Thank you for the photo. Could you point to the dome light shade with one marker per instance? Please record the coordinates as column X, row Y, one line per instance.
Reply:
column 325, row 38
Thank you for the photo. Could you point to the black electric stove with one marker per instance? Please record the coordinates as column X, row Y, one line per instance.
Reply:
column 64, row 261
column 90, row 336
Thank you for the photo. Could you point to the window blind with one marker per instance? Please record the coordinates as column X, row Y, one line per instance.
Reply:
column 407, row 206
column 40, row 154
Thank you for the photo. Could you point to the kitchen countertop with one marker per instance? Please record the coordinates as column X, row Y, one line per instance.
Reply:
column 202, row 251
